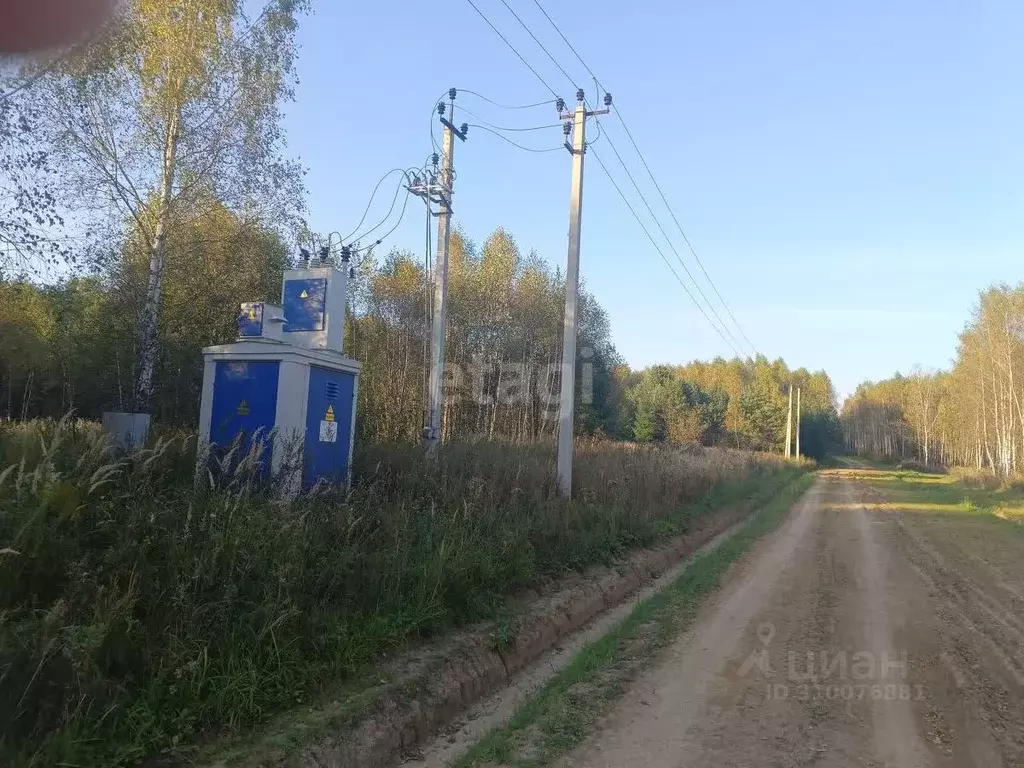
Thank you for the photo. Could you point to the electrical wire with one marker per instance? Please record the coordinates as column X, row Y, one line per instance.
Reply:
column 370, row 203
column 428, row 301
column 566, row 41
column 514, row 144
column 664, row 199
column 433, row 114
column 539, row 43
column 500, row 128
column 513, row 49
column 664, row 234
column 505, row 106
column 662, row 253
column 394, row 202
column 721, row 322
column 600, row 133
column 686, row 239
column 387, row 234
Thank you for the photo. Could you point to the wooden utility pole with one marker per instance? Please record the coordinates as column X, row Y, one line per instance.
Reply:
column 567, row 404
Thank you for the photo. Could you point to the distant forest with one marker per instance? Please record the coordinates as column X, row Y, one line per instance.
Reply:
column 971, row 415
column 72, row 346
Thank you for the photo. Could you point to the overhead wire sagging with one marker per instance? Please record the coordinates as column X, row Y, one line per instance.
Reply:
column 513, row 49
column 657, row 186
column 722, row 326
column 514, row 144
column 662, row 253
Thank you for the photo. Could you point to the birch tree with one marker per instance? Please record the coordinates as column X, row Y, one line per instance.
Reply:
column 174, row 112
column 28, row 203
column 973, row 415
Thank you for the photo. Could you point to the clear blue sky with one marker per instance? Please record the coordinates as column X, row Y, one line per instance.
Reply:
column 851, row 174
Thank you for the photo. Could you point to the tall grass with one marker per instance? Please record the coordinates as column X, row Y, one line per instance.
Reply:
column 136, row 609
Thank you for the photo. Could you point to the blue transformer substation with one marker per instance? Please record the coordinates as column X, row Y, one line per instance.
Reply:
column 286, row 381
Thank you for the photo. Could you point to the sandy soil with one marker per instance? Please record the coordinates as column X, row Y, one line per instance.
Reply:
column 861, row 633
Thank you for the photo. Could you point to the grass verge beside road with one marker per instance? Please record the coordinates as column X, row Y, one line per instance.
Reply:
column 564, row 711
column 137, row 612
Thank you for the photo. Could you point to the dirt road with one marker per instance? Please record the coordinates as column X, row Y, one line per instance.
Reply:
column 869, row 630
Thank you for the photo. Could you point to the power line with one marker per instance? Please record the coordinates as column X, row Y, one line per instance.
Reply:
column 506, row 106
column 433, row 115
column 686, row 239
column 462, row 91
column 662, row 253
column 513, row 49
column 370, row 203
column 538, row 42
column 650, row 210
column 679, row 258
column 625, row 167
column 661, row 193
column 566, row 41
column 514, row 144
column 387, row 216
column 500, row 128
column 387, row 234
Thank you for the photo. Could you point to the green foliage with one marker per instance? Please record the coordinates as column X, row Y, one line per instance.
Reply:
column 172, row 115
column 967, row 416
column 668, row 408
column 763, row 407
column 821, row 435
column 136, row 611
column 741, row 403
column 503, row 346
column 71, row 346
column 28, row 180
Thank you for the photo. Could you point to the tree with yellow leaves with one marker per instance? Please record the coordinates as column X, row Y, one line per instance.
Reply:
column 174, row 112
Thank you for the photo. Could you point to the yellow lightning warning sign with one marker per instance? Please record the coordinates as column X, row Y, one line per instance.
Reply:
column 329, row 416
column 243, row 408
column 304, row 295
column 252, row 314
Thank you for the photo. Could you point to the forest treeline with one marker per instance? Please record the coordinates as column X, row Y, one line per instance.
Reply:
column 71, row 346
column 164, row 194
column 970, row 415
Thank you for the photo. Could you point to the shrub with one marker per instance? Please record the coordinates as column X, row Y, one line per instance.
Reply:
column 136, row 609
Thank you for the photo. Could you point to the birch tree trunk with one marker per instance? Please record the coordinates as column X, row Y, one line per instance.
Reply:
column 148, row 322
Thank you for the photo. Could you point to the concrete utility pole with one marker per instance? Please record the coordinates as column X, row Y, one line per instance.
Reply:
column 798, row 422
column 789, row 425
column 444, row 190
column 567, row 404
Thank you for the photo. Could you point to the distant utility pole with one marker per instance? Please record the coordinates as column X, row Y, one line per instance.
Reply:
column 798, row 422
column 443, row 189
column 789, row 425
column 567, row 405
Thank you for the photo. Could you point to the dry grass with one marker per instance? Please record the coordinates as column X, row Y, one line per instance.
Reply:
column 136, row 610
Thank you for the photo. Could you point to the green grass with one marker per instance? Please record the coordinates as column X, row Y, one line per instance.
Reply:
column 982, row 492
column 354, row 699
column 991, row 502
column 564, row 711
column 137, row 612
